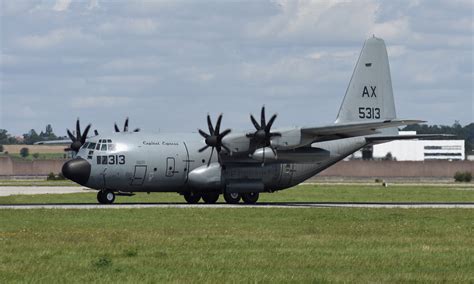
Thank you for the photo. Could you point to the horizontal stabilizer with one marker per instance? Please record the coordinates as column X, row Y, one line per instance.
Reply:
column 356, row 128
column 407, row 137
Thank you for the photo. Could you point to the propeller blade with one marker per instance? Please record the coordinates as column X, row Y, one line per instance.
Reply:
column 125, row 126
column 226, row 148
column 218, row 124
column 262, row 117
column 78, row 129
column 224, row 133
column 270, row 123
column 210, row 157
column 209, row 124
column 255, row 123
column 136, row 130
column 84, row 135
column 203, row 148
column 71, row 136
column 203, row 134
column 116, row 128
column 96, row 133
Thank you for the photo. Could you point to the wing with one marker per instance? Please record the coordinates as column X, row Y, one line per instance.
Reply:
column 53, row 142
column 339, row 131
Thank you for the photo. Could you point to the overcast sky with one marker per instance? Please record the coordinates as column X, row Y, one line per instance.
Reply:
column 166, row 64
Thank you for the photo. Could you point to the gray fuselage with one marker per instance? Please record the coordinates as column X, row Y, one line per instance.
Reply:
column 139, row 162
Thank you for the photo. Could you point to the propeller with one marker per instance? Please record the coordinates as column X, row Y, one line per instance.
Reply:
column 263, row 135
column 79, row 139
column 125, row 127
column 214, row 138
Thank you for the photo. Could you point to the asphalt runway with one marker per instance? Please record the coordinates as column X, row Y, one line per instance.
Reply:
column 28, row 190
column 223, row 205
column 15, row 190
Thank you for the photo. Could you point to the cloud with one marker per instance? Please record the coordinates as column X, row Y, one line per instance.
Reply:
column 100, row 102
column 61, row 5
column 138, row 26
column 147, row 58
column 53, row 38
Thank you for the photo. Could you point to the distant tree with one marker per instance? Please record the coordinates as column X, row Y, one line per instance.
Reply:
column 31, row 137
column 3, row 135
column 388, row 157
column 24, row 152
column 1, row 148
column 36, row 155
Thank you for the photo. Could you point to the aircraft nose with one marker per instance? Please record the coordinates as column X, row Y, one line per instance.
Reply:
column 77, row 170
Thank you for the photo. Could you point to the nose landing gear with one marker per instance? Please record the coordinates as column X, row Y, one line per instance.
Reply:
column 106, row 197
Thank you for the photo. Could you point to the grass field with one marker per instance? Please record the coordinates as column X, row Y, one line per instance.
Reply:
column 237, row 245
column 302, row 193
column 243, row 244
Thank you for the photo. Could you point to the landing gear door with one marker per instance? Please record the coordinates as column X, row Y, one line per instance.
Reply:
column 139, row 175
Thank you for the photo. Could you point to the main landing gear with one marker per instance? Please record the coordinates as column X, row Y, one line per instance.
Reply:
column 106, row 197
column 212, row 197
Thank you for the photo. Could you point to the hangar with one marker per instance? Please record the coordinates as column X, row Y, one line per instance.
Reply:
column 417, row 150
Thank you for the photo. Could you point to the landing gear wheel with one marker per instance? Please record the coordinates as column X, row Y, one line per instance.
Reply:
column 105, row 197
column 232, row 197
column 210, row 197
column 192, row 197
column 250, row 198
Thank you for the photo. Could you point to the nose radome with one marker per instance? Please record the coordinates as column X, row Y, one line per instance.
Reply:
column 77, row 170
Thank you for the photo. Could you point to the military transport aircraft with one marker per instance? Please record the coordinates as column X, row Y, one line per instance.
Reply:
column 240, row 165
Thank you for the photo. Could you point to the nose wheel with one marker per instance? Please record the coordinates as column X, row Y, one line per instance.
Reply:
column 105, row 197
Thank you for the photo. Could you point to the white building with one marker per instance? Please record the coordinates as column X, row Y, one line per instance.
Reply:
column 419, row 150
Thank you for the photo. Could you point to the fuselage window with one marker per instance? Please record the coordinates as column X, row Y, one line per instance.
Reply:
column 91, row 146
column 103, row 147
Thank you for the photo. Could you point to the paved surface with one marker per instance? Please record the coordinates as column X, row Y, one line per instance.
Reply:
column 221, row 205
column 27, row 190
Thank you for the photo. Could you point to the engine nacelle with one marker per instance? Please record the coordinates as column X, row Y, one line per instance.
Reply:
column 289, row 139
column 265, row 153
column 206, row 178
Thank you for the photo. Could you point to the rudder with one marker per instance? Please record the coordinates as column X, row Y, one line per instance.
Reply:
column 369, row 96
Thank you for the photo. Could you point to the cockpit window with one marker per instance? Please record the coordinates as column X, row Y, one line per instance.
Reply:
column 111, row 147
column 91, row 146
column 85, row 145
column 103, row 147
column 109, row 140
column 97, row 147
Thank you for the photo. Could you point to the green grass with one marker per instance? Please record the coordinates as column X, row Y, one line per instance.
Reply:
column 302, row 193
column 237, row 245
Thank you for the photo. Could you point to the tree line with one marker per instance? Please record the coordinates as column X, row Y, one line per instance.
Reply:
column 30, row 137
column 460, row 132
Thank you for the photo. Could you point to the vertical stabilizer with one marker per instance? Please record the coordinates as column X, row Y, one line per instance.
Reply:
column 369, row 96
